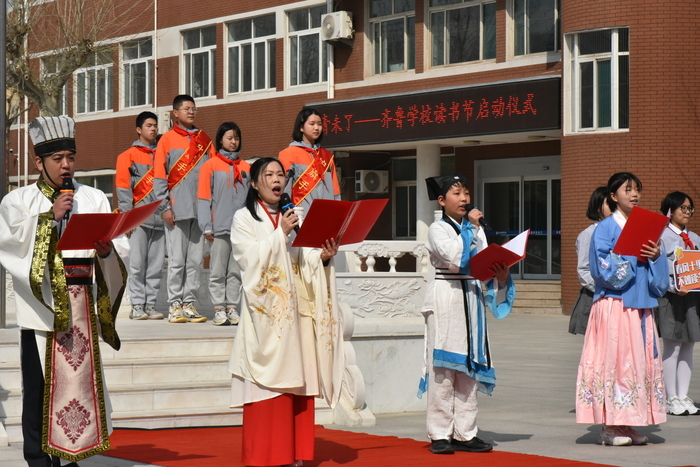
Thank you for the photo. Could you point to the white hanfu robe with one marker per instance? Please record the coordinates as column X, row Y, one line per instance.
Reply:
column 457, row 355
column 59, row 313
column 289, row 338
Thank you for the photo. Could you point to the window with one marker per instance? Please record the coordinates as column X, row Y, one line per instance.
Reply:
column 101, row 179
column 200, row 61
column 536, row 26
column 393, row 35
column 600, row 72
column 49, row 66
column 308, row 54
column 138, row 72
column 95, row 82
column 460, row 33
column 404, row 186
column 251, row 54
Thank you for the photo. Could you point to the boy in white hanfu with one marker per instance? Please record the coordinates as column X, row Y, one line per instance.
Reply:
column 458, row 358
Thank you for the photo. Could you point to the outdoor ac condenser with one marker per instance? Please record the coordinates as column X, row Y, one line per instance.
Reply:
column 336, row 25
column 371, row 181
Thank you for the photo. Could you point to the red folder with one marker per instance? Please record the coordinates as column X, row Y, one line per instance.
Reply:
column 642, row 225
column 347, row 221
column 83, row 230
column 510, row 253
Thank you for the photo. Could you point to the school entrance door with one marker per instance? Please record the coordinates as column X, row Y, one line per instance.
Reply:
column 519, row 194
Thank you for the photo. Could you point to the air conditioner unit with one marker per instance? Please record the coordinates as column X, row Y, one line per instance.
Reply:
column 336, row 25
column 371, row 181
column 164, row 120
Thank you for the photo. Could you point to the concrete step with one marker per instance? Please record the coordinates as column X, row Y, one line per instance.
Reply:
column 537, row 311
column 536, row 303
column 537, row 285
column 168, row 347
column 538, row 294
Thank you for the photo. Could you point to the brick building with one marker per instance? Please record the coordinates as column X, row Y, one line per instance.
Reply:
column 537, row 101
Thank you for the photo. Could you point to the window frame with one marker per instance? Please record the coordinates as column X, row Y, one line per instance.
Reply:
column 376, row 22
column 270, row 59
column 526, row 38
column 291, row 51
column 108, row 96
column 574, row 81
column 148, row 60
column 457, row 6
column 63, row 98
column 188, row 65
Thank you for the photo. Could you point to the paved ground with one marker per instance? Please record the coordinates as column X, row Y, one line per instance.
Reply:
column 532, row 408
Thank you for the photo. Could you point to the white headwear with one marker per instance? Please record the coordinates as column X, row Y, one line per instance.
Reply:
column 52, row 134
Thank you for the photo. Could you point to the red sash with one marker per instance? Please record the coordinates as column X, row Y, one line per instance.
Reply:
column 236, row 166
column 199, row 145
column 144, row 186
column 312, row 176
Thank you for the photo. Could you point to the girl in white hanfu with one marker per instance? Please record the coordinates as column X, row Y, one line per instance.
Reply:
column 288, row 346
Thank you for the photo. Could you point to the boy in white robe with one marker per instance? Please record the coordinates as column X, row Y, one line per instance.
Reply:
column 457, row 358
column 63, row 299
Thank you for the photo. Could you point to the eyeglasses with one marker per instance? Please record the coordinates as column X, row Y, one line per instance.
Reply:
column 687, row 209
column 191, row 110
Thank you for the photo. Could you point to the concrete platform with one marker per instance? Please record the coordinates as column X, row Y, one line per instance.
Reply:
column 531, row 410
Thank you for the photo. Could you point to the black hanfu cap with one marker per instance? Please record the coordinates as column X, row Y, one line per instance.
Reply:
column 439, row 186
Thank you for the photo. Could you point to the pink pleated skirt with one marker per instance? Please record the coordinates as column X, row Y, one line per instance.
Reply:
column 620, row 376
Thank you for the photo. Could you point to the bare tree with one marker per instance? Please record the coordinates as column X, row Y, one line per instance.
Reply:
column 65, row 33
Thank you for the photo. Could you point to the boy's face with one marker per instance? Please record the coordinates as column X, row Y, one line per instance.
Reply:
column 148, row 131
column 455, row 201
column 185, row 114
column 58, row 166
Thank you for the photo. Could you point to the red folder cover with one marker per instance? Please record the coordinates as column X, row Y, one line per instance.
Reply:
column 347, row 221
column 83, row 230
column 510, row 253
column 642, row 225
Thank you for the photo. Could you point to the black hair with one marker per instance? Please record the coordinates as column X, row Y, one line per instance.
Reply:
column 616, row 181
column 673, row 201
column 223, row 128
column 595, row 205
column 143, row 116
column 181, row 99
column 302, row 117
column 255, row 170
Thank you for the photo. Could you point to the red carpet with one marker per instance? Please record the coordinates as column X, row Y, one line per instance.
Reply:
column 217, row 447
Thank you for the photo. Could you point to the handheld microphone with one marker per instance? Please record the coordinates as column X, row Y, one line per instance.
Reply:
column 286, row 205
column 483, row 223
column 67, row 188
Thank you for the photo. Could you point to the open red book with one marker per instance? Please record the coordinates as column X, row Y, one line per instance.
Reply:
column 347, row 221
column 510, row 253
column 642, row 225
column 83, row 230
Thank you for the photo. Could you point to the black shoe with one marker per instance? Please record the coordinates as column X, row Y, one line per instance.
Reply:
column 441, row 446
column 473, row 445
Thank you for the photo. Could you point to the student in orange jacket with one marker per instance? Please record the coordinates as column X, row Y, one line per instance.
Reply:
column 223, row 186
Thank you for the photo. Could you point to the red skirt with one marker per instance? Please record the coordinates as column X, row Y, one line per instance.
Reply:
column 278, row 431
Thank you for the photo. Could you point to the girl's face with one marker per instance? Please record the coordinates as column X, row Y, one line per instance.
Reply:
column 681, row 216
column 270, row 183
column 626, row 197
column 311, row 129
column 230, row 141
column 455, row 201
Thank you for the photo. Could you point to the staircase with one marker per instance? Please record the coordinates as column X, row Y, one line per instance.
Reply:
column 540, row 297
column 176, row 380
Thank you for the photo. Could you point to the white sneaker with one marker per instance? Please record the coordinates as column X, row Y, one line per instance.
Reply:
column 233, row 316
column 175, row 313
column 636, row 437
column 675, row 407
column 611, row 437
column 220, row 318
column 689, row 405
column 192, row 314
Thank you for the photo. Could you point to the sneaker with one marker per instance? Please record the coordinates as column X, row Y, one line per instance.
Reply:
column 441, row 446
column 473, row 445
column 176, row 313
column 611, row 437
column 689, row 405
column 150, row 310
column 233, row 316
column 220, row 318
column 674, row 406
column 192, row 314
column 636, row 437
column 137, row 312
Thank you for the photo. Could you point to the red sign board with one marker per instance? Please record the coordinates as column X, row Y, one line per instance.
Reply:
column 454, row 112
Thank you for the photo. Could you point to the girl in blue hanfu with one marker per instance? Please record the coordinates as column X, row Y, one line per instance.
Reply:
column 458, row 359
column 620, row 378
